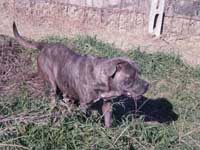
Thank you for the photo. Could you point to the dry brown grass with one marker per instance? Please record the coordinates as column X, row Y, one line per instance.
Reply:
column 16, row 69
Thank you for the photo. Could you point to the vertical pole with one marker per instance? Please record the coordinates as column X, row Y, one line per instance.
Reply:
column 156, row 17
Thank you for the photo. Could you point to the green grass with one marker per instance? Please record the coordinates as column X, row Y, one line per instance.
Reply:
column 169, row 77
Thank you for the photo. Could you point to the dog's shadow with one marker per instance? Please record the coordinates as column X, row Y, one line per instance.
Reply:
column 152, row 110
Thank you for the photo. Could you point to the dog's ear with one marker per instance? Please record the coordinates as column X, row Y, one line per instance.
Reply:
column 134, row 64
column 111, row 67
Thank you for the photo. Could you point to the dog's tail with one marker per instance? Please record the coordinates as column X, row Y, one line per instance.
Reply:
column 23, row 41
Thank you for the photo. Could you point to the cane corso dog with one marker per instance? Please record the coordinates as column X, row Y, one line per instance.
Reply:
column 86, row 79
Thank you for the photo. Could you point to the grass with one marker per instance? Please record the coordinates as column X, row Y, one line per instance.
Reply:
column 170, row 78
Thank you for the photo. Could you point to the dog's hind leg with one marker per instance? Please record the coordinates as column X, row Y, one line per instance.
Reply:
column 55, row 111
column 46, row 71
column 53, row 94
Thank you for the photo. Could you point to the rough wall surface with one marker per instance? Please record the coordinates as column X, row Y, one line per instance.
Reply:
column 122, row 22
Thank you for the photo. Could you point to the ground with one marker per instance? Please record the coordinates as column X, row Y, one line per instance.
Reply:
column 167, row 117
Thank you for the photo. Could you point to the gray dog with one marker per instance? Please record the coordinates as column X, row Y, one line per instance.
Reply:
column 86, row 79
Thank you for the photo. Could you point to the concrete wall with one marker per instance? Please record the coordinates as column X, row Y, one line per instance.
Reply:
column 122, row 22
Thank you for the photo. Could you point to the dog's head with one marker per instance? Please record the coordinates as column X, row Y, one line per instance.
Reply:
column 123, row 77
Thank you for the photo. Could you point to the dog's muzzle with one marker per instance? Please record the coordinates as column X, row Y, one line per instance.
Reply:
column 137, row 96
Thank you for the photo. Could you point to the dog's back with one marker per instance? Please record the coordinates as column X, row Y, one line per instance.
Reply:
column 71, row 72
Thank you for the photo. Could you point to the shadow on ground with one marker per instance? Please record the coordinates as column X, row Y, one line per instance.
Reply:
column 152, row 110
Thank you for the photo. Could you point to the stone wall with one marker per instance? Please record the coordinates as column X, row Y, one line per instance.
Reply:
column 122, row 22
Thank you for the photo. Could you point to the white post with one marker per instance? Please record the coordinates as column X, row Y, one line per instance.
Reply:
column 156, row 17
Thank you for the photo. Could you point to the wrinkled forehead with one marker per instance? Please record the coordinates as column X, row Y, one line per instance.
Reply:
column 127, row 73
column 129, row 69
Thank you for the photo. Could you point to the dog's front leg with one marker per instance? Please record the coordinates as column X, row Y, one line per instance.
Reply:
column 107, row 112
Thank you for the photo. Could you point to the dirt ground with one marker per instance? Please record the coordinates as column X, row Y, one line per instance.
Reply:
column 186, row 47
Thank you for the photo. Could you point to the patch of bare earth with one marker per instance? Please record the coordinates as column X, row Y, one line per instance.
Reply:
column 16, row 71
